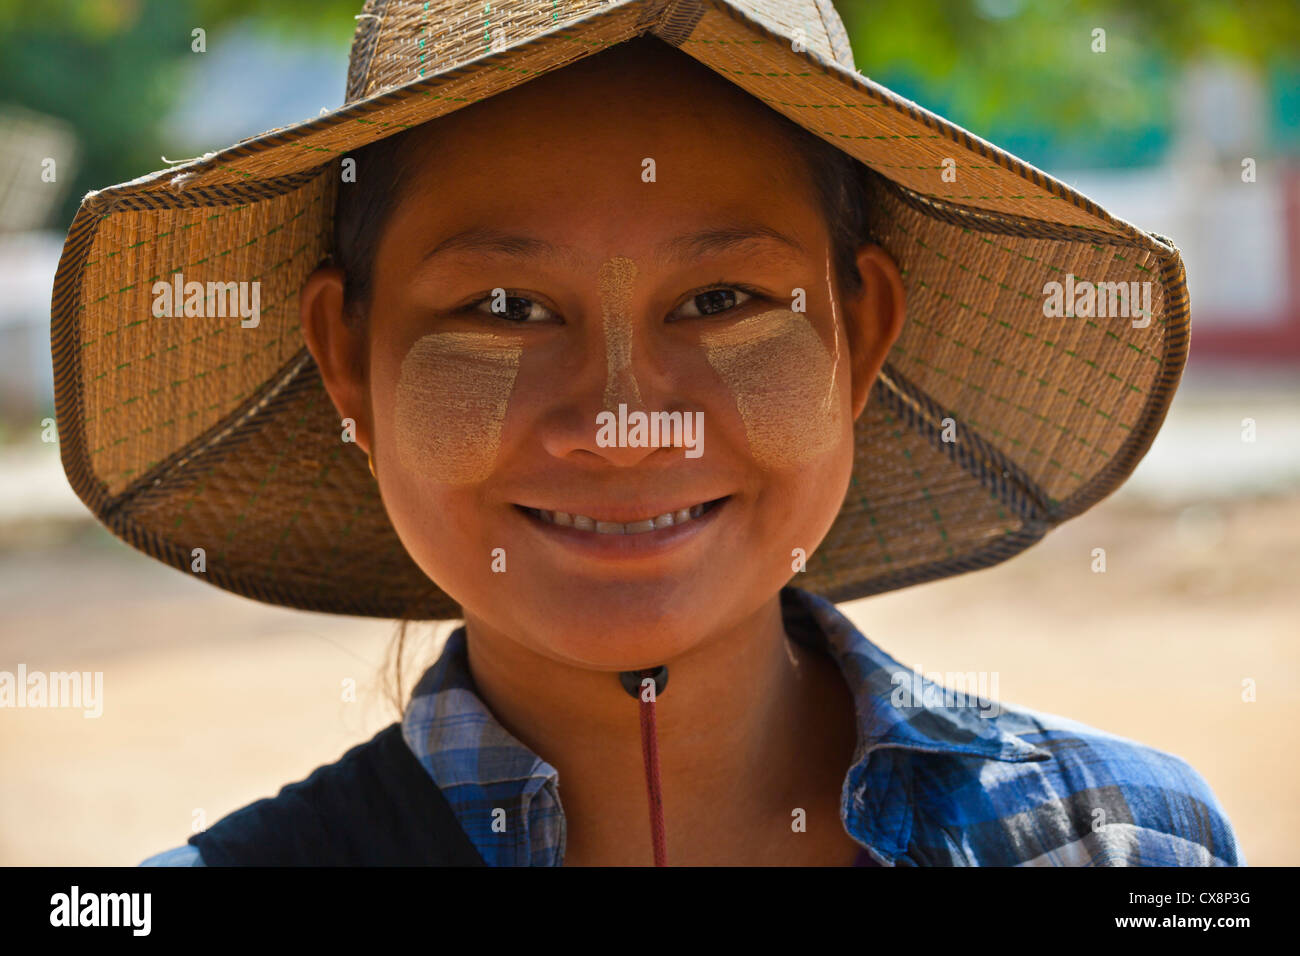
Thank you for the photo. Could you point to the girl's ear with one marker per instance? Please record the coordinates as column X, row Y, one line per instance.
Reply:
column 874, row 320
column 339, row 348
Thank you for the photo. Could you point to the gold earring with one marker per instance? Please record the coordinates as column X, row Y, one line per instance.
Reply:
column 371, row 462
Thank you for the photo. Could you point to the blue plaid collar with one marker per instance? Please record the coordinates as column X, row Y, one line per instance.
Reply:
column 507, row 798
column 898, row 710
column 896, row 706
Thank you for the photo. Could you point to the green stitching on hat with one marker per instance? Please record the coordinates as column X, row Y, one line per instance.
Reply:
column 1019, row 292
column 825, row 561
column 998, row 433
column 834, row 135
column 336, row 551
column 169, row 422
column 270, row 472
column 196, row 375
column 306, row 500
column 186, row 265
column 424, row 29
column 876, row 165
column 774, row 75
column 1136, row 265
column 203, row 483
column 395, row 548
column 1002, row 516
column 920, row 480
column 1161, row 318
column 272, row 308
column 1006, row 401
column 1007, row 325
column 871, row 516
column 937, row 333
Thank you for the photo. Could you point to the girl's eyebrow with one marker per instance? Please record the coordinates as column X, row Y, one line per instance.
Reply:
column 729, row 237
column 484, row 240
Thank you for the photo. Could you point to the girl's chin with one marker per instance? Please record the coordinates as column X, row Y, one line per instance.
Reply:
column 587, row 633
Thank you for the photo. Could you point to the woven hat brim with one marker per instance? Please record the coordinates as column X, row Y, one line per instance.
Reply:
column 181, row 434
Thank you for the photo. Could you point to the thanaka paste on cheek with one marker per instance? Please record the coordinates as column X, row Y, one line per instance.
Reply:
column 777, row 369
column 616, row 278
column 452, row 395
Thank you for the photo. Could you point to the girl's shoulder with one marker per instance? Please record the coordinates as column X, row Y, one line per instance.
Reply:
column 374, row 806
column 1087, row 798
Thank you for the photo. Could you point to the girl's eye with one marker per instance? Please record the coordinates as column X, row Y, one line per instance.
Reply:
column 513, row 308
column 712, row 302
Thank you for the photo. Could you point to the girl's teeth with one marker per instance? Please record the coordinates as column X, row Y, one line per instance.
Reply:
column 583, row 523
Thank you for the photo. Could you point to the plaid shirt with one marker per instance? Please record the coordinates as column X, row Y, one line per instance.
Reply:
column 936, row 779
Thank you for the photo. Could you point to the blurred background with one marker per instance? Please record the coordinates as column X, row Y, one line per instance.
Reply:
column 1188, row 124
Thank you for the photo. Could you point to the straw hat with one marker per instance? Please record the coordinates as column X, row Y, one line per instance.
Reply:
column 193, row 432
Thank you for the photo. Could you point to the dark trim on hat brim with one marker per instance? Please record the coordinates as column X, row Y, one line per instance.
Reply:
column 69, row 417
column 1003, row 548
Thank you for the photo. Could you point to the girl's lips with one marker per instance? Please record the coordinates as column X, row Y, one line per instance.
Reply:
column 639, row 543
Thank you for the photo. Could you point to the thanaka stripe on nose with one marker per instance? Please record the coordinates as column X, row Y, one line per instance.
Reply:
column 616, row 278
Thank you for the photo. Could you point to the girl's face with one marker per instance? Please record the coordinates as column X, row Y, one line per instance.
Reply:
column 582, row 246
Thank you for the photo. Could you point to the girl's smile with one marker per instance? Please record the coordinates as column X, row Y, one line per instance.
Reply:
column 609, row 538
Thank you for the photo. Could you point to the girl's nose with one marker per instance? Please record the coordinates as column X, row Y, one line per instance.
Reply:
column 622, row 367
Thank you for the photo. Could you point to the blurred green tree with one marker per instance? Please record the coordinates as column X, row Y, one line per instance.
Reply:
column 112, row 67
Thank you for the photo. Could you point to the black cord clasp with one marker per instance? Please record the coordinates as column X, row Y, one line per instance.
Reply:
column 631, row 680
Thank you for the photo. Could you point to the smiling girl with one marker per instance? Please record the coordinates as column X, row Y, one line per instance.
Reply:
column 497, row 258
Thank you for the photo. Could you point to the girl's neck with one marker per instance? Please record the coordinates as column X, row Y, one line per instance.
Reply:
column 751, row 728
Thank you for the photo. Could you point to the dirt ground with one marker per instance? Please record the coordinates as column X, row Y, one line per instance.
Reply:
column 211, row 701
